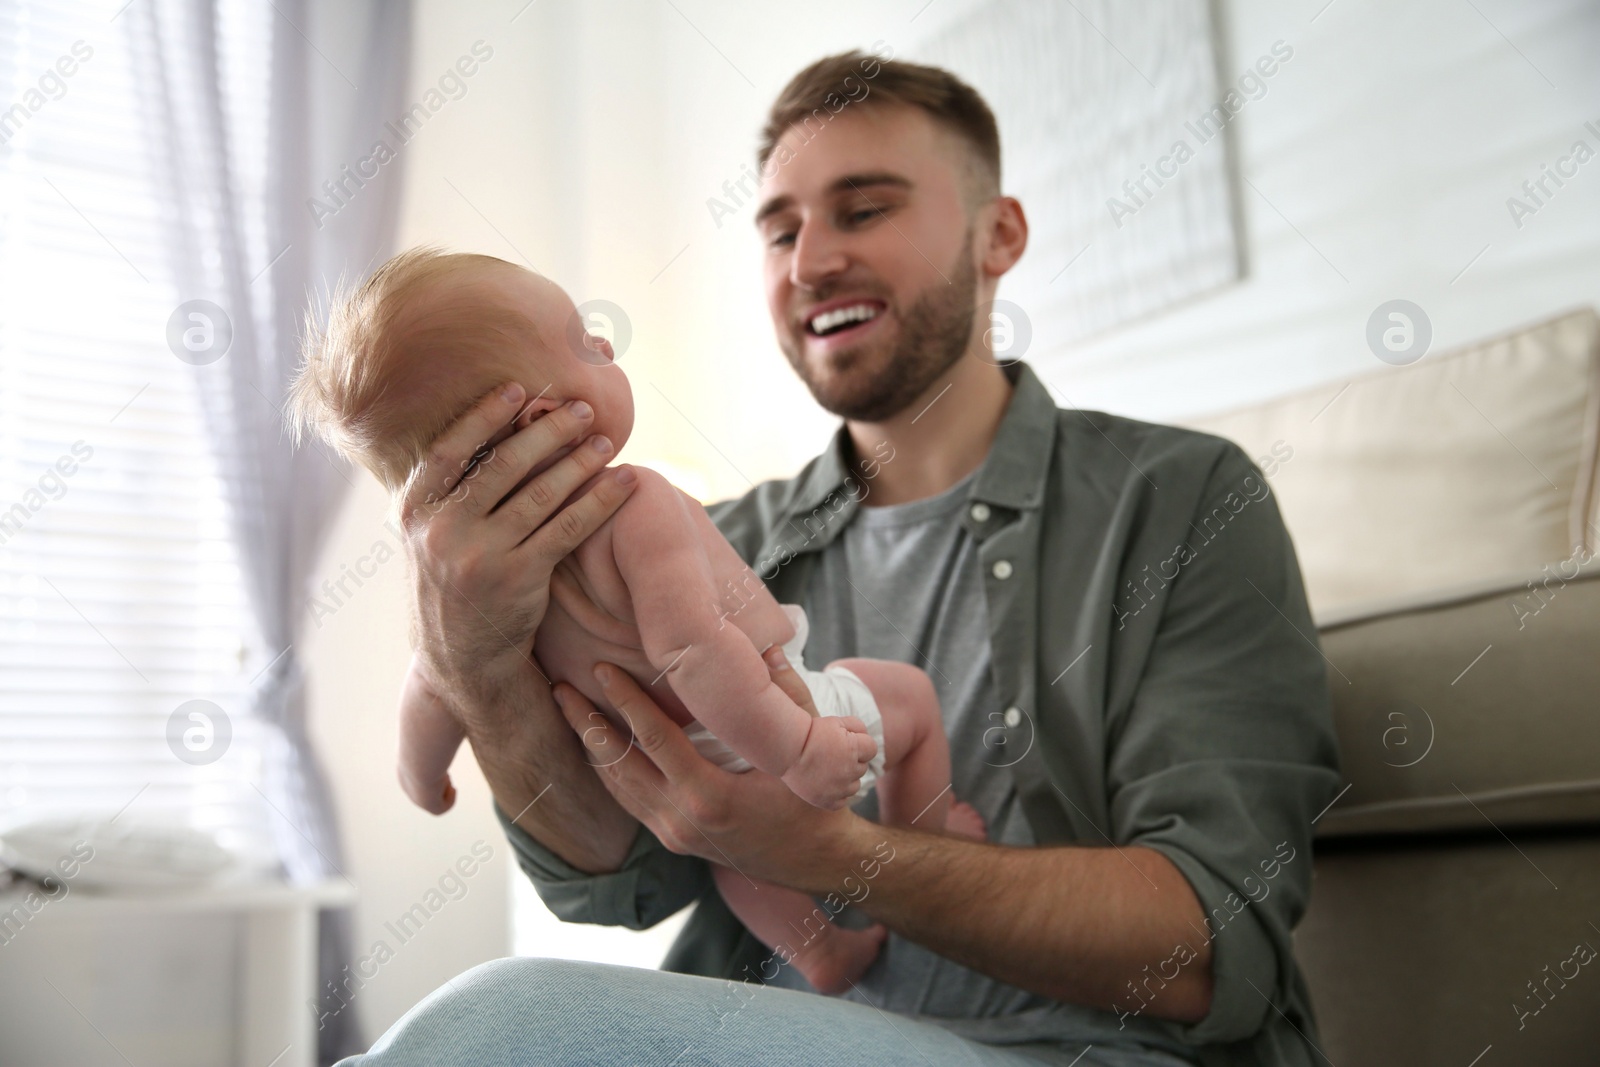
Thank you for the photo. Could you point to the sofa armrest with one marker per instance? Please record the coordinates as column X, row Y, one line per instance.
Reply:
column 1474, row 713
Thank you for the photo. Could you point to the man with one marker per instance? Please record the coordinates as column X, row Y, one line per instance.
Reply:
column 1111, row 612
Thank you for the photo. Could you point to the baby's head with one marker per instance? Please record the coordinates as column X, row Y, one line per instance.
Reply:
column 430, row 333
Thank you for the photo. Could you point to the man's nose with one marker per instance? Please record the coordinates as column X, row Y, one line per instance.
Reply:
column 819, row 254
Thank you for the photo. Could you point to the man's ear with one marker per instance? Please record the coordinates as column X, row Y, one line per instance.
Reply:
column 1008, row 236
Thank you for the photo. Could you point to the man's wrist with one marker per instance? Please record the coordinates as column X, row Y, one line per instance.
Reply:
column 479, row 692
column 847, row 852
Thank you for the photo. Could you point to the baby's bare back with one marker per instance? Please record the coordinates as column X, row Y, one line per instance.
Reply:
column 591, row 614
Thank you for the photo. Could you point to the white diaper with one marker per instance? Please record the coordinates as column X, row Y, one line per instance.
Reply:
column 836, row 691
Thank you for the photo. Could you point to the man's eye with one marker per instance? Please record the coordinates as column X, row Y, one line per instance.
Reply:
column 861, row 215
column 779, row 240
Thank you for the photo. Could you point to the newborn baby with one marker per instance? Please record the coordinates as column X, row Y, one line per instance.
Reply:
column 657, row 590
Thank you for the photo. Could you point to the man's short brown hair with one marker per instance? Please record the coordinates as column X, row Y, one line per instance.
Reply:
column 819, row 92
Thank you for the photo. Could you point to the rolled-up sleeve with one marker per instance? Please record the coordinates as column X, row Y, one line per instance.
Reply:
column 652, row 883
column 1226, row 751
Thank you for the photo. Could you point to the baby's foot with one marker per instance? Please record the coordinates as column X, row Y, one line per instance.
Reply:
column 963, row 820
column 837, row 957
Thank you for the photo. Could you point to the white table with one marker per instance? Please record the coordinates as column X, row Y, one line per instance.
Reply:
column 260, row 937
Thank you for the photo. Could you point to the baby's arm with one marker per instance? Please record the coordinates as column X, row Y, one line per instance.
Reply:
column 712, row 666
column 429, row 738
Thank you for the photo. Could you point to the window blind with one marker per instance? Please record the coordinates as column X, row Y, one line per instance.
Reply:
column 121, row 596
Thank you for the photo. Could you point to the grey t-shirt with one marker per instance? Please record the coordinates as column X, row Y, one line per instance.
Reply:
column 902, row 582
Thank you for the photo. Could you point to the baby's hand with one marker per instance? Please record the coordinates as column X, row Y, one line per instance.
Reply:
column 435, row 797
column 835, row 756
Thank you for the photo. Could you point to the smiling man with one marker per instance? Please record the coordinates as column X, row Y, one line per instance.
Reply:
column 1145, row 734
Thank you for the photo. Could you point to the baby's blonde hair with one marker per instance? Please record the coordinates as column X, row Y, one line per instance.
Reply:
column 390, row 370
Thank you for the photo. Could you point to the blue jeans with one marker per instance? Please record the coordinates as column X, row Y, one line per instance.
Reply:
column 555, row 1012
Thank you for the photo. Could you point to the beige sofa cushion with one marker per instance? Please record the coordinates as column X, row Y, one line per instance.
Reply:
column 1473, row 715
column 1472, row 465
column 1421, row 955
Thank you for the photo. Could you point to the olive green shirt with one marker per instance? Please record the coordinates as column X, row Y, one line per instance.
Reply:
column 1149, row 627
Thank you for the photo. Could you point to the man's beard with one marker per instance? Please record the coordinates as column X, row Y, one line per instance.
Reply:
column 934, row 335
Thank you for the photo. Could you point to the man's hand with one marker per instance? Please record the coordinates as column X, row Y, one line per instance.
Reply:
column 484, row 539
column 751, row 822
column 1071, row 923
column 485, row 544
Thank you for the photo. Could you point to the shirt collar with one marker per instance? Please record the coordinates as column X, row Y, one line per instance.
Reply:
column 1013, row 474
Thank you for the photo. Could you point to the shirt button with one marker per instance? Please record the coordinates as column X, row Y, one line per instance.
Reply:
column 1013, row 716
column 980, row 513
column 1002, row 569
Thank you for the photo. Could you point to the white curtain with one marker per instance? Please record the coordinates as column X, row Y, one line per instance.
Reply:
column 245, row 234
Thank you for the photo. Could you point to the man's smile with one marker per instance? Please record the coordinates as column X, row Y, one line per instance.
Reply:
column 841, row 322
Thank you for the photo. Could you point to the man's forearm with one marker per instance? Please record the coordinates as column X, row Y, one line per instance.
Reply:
column 536, row 768
column 1085, row 925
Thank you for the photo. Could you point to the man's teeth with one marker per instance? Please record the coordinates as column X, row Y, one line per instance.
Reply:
column 829, row 321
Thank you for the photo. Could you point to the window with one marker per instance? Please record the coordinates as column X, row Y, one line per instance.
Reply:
column 121, row 597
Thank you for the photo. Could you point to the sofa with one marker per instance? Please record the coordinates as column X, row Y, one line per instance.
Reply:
column 1447, row 519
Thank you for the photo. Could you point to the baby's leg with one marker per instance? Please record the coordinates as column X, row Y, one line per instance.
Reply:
column 915, row 787
column 830, row 956
column 429, row 738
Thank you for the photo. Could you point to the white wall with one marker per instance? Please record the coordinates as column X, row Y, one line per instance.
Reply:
column 395, row 853
column 591, row 140
column 1391, row 141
